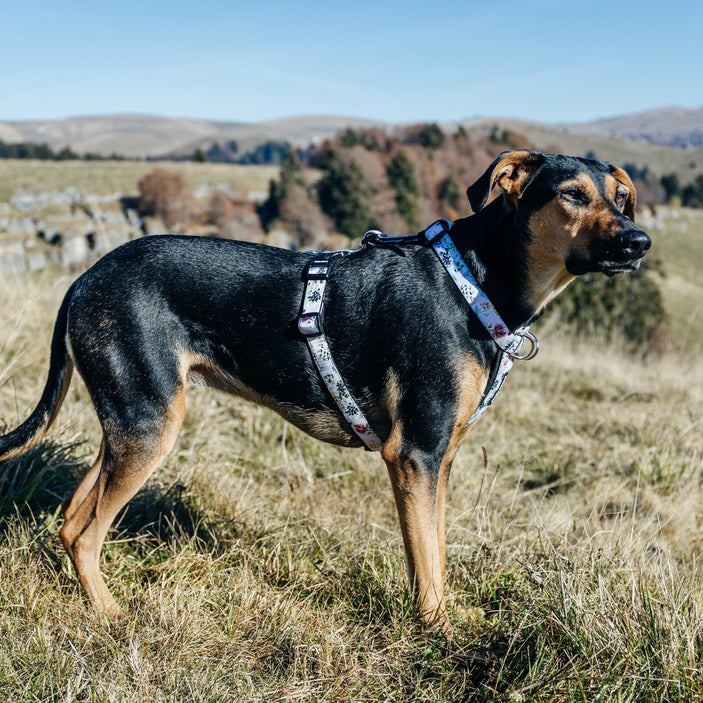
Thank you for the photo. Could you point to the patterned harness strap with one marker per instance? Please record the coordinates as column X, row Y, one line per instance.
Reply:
column 310, row 325
column 509, row 343
column 436, row 236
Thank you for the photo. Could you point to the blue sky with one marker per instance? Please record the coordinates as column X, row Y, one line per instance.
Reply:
column 546, row 60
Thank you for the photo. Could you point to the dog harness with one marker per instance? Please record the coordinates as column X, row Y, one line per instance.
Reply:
column 509, row 343
column 310, row 325
column 436, row 236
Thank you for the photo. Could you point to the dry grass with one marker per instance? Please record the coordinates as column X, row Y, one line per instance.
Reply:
column 259, row 564
column 107, row 177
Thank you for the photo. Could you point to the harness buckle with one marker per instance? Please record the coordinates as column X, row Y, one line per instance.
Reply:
column 436, row 231
column 318, row 269
column 309, row 324
column 534, row 348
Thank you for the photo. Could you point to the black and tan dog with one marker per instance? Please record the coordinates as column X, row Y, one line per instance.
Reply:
column 160, row 310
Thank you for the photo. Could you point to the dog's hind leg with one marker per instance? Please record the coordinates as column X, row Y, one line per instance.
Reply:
column 126, row 464
column 87, row 482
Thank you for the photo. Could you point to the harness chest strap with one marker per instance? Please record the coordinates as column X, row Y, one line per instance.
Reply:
column 310, row 325
column 509, row 343
column 437, row 236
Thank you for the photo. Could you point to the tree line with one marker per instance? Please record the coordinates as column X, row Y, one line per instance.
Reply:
column 43, row 152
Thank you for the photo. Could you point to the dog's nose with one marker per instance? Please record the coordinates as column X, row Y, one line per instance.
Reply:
column 634, row 243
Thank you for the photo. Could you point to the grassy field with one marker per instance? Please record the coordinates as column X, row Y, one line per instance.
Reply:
column 261, row 565
column 678, row 244
column 106, row 177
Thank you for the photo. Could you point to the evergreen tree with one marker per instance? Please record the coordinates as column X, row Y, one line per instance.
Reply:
column 199, row 156
column 402, row 179
column 450, row 191
column 431, row 136
column 344, row 196
column 671, row 186
column 291, row 174
column 349, row 138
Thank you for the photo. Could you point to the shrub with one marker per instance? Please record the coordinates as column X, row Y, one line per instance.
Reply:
column 626, row 307
column 234, row 218
column 170, row 197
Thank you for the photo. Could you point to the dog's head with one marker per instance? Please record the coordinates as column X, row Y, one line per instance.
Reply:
column 578, row 213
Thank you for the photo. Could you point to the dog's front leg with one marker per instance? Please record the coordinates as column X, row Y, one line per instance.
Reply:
column 419, row 484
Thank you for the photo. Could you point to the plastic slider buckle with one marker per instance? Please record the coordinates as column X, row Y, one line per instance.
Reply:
column 309, row 324
column 435, row 231
column 318, row 270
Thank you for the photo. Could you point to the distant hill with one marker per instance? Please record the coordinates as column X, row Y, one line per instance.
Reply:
column 652, row 138
column 686, row 163
column 667, row 126
column 149, row 135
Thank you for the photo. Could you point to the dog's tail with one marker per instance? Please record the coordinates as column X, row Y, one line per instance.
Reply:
column 60, row 370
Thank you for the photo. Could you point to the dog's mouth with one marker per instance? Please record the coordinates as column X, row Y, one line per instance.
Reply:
column 577, row 267
column 611, row 268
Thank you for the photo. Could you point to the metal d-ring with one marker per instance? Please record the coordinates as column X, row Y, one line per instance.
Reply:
column 533, row 350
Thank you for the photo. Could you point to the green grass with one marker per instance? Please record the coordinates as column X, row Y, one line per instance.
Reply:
column 259, row 564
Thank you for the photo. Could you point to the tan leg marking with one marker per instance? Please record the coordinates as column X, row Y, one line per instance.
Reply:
column 414, row 494
column 84, row 486
column 472, row 380
column 420, row 500
column 125, row 467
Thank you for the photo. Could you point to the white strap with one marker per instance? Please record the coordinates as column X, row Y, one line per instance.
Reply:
column 453, row 262
column 437, row 234
column 309, row 325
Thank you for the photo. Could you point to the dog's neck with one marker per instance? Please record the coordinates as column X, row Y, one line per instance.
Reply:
column 496, row 250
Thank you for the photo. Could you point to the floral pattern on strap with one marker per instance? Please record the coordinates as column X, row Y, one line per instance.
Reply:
column 460, row 273
column 508, row 342
column 309, row 325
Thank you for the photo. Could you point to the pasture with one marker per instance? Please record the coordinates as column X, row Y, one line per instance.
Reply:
column 259, row 564
column 108, row 177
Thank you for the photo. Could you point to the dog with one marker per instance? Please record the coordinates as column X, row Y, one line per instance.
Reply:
column 159, row 311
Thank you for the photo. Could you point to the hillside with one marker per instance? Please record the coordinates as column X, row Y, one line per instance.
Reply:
column 686, row 163
column 640, row 138
column 668, row 126
column 139, row 136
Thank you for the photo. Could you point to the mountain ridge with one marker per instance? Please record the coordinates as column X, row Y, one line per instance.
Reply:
column 140, row 136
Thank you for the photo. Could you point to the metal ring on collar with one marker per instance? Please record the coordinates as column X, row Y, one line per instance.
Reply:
column 533, row 349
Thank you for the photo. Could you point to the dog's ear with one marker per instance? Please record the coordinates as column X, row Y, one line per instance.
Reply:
column 621, row 176
column 512, row 171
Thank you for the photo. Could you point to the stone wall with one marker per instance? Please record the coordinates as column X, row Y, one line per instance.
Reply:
column 67, row 228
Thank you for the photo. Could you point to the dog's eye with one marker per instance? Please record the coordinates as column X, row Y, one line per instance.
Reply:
column 574, row 196
column 620, row 198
